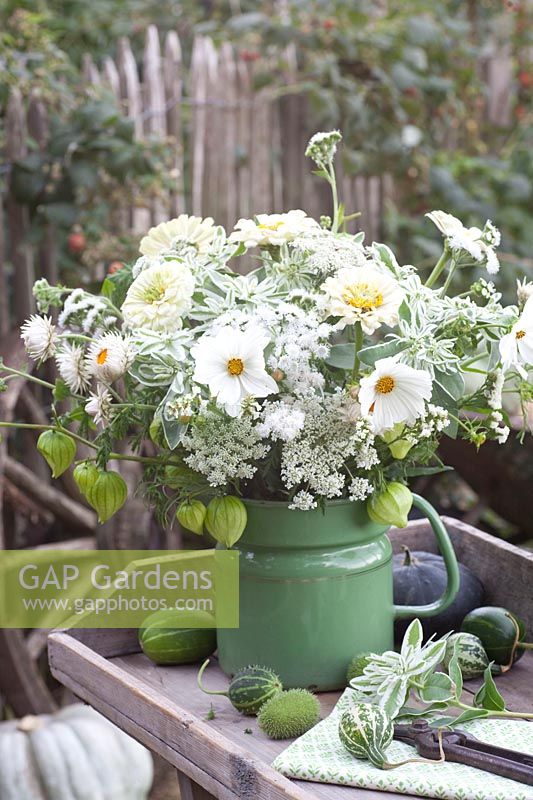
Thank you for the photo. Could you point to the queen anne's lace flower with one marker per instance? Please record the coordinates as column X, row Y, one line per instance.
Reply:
column 159, row 297
column 281, row 420
column 40, row 337
column 193, row 231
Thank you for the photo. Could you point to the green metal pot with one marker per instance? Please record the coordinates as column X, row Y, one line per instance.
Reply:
column 316, row 589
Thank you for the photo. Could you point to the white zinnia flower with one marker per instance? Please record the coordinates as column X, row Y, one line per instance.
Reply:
column 365, row 295
column 109, row 357
column 232, row 364
column 98, row 405
column 39, row 336
column 518, row 343
column 159, row 297
column 272, row 229
column 193, row 231
column 72, row 367
column 478, row 243
column 394, row 393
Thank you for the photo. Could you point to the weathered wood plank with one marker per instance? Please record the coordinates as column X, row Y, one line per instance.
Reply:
column 173, row 81
column 199, row 82
column 154, row 114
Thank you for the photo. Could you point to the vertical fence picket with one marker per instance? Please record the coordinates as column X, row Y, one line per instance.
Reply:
column 173, row 81
column 4, row 296
column 38, row 129
column 89, row 71
column 244, row 139
column 130, row 92
column 17, row 215
column 228, row 95
column 111, row 77
column 213, row 134
column 260, row 157
column 154, row 112
column 198, row 91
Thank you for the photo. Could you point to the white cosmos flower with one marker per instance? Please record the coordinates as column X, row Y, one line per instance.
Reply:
column 159, row 297
column 193, row 231
column 478, row 243
column 232, row 364
column 72, row 367
column 40, row 337
column 394, row 393
column 272, row 229
column 518, row 343
column 99, row 404
column 365, row 295
column 109, row 357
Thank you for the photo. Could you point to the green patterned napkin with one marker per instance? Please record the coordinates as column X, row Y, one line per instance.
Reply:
column 319, row 756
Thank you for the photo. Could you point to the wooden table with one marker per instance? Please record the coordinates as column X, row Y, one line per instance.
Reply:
column 228, row 757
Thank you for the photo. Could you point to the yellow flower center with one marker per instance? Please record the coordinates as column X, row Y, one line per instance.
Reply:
column 235, row 366
column 154, row 293
column 385, row 385
column 520, row 334
column 274, row 226
column 101, row 358
column 362, row 295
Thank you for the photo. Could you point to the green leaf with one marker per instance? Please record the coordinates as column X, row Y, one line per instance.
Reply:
column 369, row 355
column 408, row 712
column 438, row 687
column 454, row 671
column 466, row 716
column 488, row 695
column 413, row 637
column 341, row 356
column 61, row 390
column 453, row 384
column 394, row 698
column 415, row 472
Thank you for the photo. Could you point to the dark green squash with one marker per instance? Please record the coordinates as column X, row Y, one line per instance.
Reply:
column 420, row 579
column 496, row 627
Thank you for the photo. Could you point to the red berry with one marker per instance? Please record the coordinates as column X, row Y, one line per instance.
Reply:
column 328, row 24
column 525, row 79
column 114, row 267
column 76, row 242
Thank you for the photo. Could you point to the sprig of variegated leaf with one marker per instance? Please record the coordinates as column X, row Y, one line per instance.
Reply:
column 391, row 679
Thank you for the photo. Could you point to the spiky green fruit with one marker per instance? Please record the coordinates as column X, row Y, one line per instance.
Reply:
column 58, row 450
column 226, row 519
column 391, row 506
column 108, row 494
column 357, row 665
column 191, row 514
column 289, row 714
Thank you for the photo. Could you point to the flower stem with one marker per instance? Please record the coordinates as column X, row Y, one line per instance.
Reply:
column 357, row 347
column 493, row 713
column 333, row 184
column 27, row 376
column 449, row 277
column 439, row 266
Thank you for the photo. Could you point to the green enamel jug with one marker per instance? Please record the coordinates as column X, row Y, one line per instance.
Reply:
column 316, row 589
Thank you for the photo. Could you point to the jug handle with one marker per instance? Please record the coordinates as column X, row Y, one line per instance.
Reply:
column 450, row 561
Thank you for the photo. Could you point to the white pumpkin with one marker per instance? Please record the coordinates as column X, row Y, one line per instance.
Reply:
column 75, row 754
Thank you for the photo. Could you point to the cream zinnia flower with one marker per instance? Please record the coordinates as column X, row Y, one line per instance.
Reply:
column 478, row 243
column 99, row 404
column 232, row 364
column 363, row 294
column 159, row 297
column 518, row 343
column 40, row 337
column 110, row 357
column 72, row 367
column 184, row 230
column 394, row 393
column 272, row 229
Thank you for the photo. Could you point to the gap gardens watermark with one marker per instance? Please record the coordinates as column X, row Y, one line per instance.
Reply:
column 118, row 588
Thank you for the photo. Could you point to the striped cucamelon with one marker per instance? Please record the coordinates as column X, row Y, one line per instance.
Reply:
column 473, row 660
column 366, row 731
column 249, row 689
column 165, row 642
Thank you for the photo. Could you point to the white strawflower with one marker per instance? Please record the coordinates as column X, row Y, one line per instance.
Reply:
column 518, row 343
column 394, row 393
column 159, row 297
column 322, row 147
column 72, row 367
column 524, row 290
column 272, row 229
column 184, row 230
column 40, row 337
column 232, row 364
column 365, row 295
column 478, row 243
column 99, row 405
column 110, row 357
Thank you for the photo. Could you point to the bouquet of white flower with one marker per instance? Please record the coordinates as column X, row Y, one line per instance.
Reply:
column 329, row 371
